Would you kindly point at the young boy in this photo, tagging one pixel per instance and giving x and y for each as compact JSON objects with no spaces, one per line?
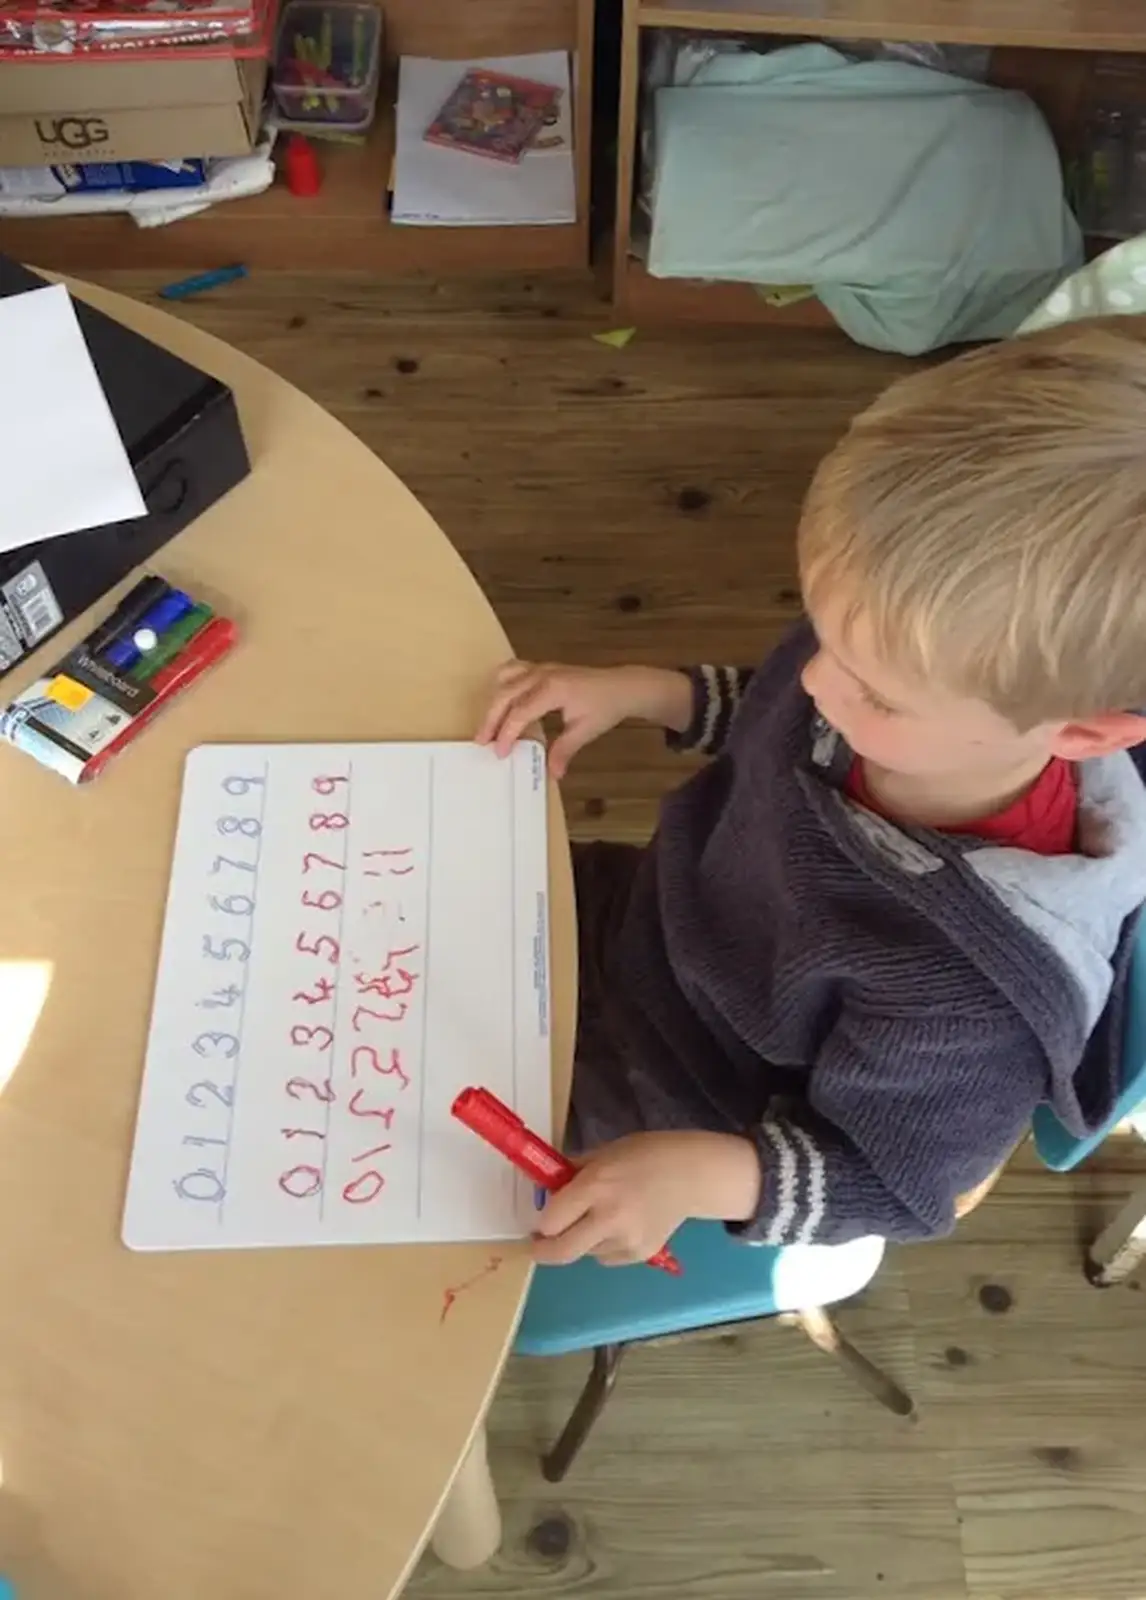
{"x":893,"y":914}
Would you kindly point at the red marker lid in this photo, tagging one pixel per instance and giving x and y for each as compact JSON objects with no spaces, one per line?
{"x":303,"y":174}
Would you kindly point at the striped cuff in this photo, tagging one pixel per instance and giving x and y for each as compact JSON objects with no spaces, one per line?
{"x":793,"y":1193}
{"x":716,"y":693}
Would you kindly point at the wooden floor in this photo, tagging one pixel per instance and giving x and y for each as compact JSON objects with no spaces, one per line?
{"x":639,"y":504}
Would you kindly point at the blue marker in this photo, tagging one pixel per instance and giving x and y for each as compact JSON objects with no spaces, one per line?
{"x":146,"y":631}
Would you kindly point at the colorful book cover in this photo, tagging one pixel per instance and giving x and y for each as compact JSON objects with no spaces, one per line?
{"x":491,"y":114}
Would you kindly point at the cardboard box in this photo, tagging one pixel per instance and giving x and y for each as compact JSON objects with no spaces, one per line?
{"x":49,"y":84}
{"x":182,"y":435}
{"x":128,"y":110}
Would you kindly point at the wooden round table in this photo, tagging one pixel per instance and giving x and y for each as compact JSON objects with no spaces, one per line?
{"x":255,"y":1424}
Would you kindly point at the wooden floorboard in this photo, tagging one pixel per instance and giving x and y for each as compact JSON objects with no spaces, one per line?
{"x":640,"y":504}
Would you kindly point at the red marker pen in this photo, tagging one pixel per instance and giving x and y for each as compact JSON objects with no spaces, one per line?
{"x":485,"y":1115}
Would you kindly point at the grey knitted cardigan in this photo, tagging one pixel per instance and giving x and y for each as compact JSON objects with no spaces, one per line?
{"x":878,"y":1008}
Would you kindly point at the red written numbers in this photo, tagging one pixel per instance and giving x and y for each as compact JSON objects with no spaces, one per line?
{"x":366,"y":1055}
{"x":366,"y":1187}
{"x":379,"y":1149}
{"x":386,"y":1114}
{"x":301,"y":1182}
{"x":318,"y":1038}
{"x":395,"y":1014}
{"x":323,"y":945}
{"x":326,"y":901}
{"x":323,"y":990}
{"x":391,"y":863}
{"x":298,"y":1088}
{"x":392,"y":985}
{"x":312,"y":856}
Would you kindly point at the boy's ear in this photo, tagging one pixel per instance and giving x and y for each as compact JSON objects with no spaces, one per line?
{"x":1099,"y":736}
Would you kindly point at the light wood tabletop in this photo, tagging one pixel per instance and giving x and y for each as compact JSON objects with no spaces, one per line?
{"x":244,"y":1424}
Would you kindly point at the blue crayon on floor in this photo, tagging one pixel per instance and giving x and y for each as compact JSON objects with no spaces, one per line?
{"x":199,"y":284}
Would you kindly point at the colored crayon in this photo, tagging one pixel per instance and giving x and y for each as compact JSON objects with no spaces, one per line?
{"x":170,"y":643}
{"x":126,"y":648}
{"x":201,"y":282}
{"x":135,"y":604}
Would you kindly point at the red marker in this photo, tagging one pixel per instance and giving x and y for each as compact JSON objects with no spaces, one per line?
{"x":494,"y":1122}
{"x":203,"y":650}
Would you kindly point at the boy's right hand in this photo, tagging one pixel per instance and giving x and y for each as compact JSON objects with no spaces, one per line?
{"x":591,"y":700}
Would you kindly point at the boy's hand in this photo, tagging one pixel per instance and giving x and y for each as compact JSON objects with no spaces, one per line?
{"x":630,"y":1196}
{"x":591,"y":700}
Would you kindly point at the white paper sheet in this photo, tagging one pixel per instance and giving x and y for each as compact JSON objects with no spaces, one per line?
{"x":354,"y":933}
{"x":437,"y":186}
{"x":62,"y":462}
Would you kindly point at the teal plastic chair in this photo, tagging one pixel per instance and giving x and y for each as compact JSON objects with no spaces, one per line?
{"x":608,"y":1309}
{"x":1120,"y":1246}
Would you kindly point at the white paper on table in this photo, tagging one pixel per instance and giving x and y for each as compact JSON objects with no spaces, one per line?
{"x":354,"y":933}
{"x":62,"y":462}
{"x":441,"y":186}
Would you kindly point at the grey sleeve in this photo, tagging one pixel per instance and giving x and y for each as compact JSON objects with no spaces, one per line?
{"x":904,"y":1114}
{"x":716,"y":693}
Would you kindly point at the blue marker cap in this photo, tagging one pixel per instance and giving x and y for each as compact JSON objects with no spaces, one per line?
{"x":145,"y":634}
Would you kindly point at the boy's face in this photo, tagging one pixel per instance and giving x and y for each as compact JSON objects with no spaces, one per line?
{"x":901,"y":724}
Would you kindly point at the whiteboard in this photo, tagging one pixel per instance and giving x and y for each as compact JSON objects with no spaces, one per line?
{"x":354,"y":932}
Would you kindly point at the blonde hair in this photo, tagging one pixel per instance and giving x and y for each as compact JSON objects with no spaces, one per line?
{"x":988,"y":518}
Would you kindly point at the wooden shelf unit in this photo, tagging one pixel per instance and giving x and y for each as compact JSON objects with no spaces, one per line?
{"x":345,"y":227}
{"x":1046,"y":48}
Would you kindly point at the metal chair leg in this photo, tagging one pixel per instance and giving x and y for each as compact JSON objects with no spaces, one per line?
{"x":598,"y":1387}
{"x":825,"y":1335}
{"x":1121,"y":1246}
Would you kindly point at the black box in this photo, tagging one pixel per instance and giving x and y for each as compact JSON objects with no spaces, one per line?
{"x":181,"y":432}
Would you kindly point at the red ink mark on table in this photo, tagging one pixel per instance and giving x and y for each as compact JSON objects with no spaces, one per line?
{"x":449,"y":1298}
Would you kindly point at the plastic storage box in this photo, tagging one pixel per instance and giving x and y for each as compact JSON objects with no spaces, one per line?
{"x":327,"y":64}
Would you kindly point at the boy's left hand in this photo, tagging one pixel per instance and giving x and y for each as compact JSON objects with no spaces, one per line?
{"x":630,"y":1196}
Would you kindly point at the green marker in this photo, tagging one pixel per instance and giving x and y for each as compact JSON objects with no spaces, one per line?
{"x":171,"y":643}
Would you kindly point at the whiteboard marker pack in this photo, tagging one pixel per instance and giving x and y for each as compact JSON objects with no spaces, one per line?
{"x":101,"y":695}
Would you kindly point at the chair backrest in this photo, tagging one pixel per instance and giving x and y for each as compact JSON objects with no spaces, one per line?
{"x":1061,"y":1149}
